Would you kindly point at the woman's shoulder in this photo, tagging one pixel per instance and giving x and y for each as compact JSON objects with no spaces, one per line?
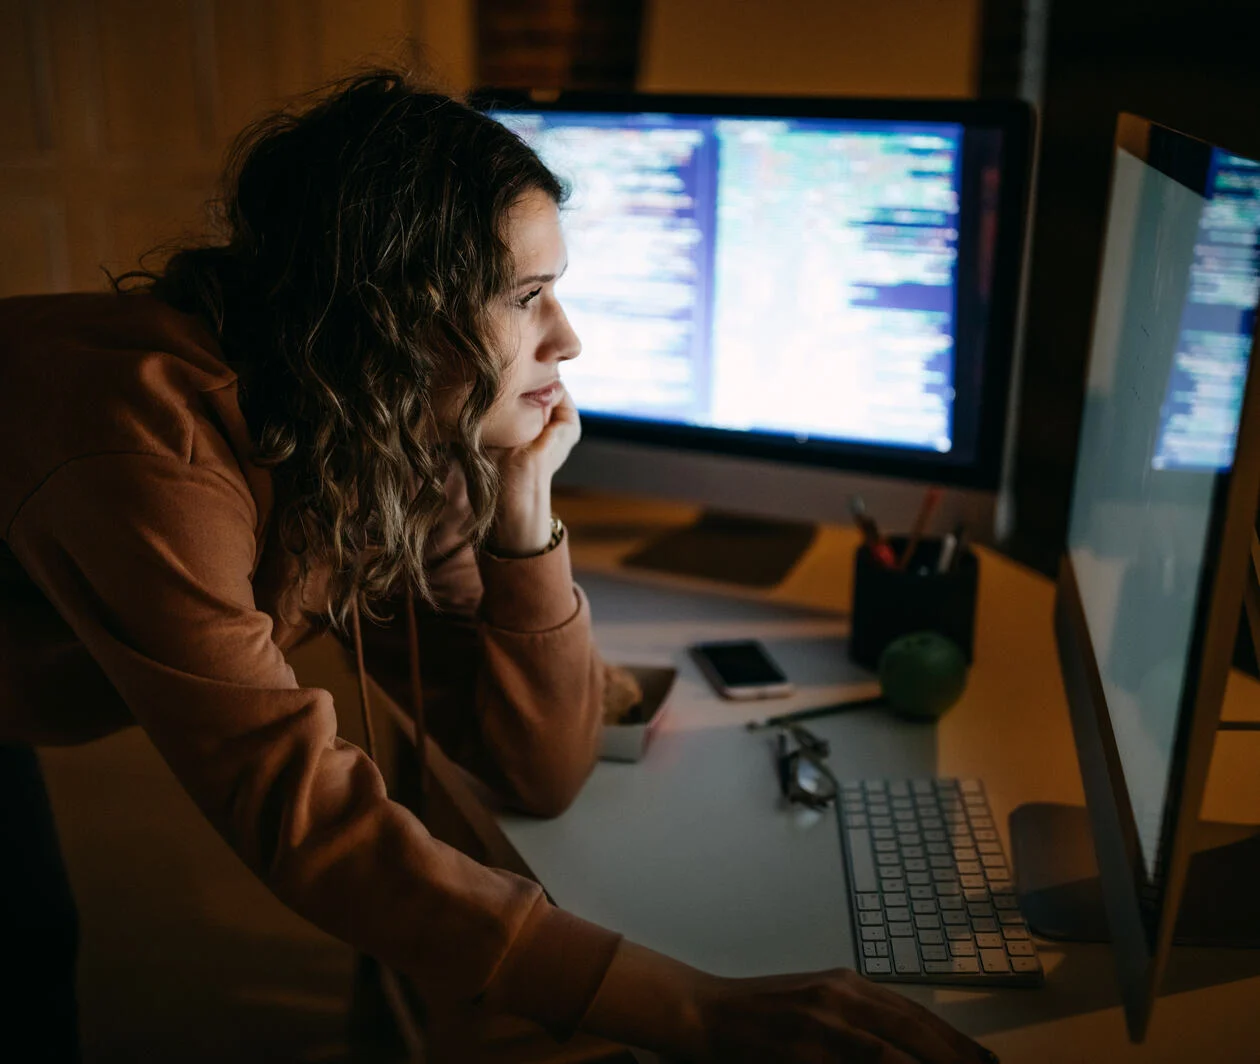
{"x":84,"y":374}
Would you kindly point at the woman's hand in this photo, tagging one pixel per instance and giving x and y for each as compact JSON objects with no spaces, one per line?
{"x":522,"y":525}
{"x":833,"y":1017}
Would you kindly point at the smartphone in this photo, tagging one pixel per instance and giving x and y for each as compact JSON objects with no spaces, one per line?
{"x":741,"y":669}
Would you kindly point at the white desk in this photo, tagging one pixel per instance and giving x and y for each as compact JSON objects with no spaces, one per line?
{"x":690,"y":851}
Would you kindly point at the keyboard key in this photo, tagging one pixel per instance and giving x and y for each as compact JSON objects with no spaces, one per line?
{"x":950,"y":902}
{"x":958,"y":934}
{"x":918,"y":879}
{"x":913,"y":852}
{"x":941,"y":848}
{"x":993,"y":860}
{"x":923,"y":906}
{"x":932,"y":822}
{"x":935,"y":836}
{"x":989,"y":847}
{"x":945,"y":875}
{"x":931,"y":938}
{"x":983,"y":924}
{"x":881,"y":821}
{"x":874,"y":934}
{"x":955,"y":919}
{"x":965,"y":853}
{"x":1015,"y":934}
{"x":910,"y":838}
{"x":981,"y":822}
{"x":965,"y":965}
{"x":915,"y":865}
{"x":890,"y":872}
{"x":868,"y":948}
{"x":984,"y":835}
{"x":963,"y":947}
{"x":888,"y":858}
{"x":855,"y":820}
{"x":868,"y":901}
{"x":862,"y":873}
{"x":922,"y":893}
{"x":1020,"y":949}
{"x":1011,"y":916}
{"x":898,"y":914}
{"x":940,"y":860}
{"x":994,"y":960}
{"x":934,"y":953}
{"x":971,"y":882}
{"x":989,"y":941}
{"x":1006,"y":901}
{"x":921,"y":786}
{"x":906,"y":956}
{"x":893,"y":886}
{"x":927,"y":920}
{"x":881,"y":948}
{"x":899,"y":789}
{"x":975,"y":895}
{"x":895,"y":900}
{"x":938,"y":968}
{"x":876,"y":785}
{"x":878,"y":809}
{"x":949,"y":887}
{"x":1025,"y":964}
{"x":877,"y":966}
{"x":980,"y":909}
{"x":905,"y":930}
{"x":970,"y":787}
{"x":883,"y":833}
{"x":869,"y":919}
{"x":885,"y":846}
{"x":967,"y":868}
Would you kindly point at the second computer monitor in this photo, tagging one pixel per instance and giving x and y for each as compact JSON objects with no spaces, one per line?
{"x":811,"y":283}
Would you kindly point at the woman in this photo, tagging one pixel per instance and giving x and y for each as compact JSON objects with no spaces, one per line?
{"x":352,"y":404}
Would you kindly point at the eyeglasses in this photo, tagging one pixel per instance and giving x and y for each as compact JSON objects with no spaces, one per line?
{"x":803,"y":776}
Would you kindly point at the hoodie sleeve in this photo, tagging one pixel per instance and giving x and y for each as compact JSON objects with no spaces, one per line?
{"x":149,"y":558}
{"x":513,"y":683}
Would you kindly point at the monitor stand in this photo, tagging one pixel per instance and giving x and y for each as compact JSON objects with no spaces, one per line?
{"x":751,"y":551}
{"x":1061,"y":897}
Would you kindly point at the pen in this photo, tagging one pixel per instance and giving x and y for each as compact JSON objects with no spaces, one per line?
{"x":931,"y":498}
{"x":946,"y":560}
{"x":880,"y":549}
{"x":818,"y":711}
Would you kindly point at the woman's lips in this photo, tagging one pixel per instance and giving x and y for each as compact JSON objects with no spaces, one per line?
{"x":543,"y":396}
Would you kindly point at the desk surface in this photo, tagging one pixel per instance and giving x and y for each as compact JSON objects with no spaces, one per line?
{"x":690,"y":851}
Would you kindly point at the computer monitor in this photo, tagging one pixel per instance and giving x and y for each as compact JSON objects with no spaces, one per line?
{"x":1161,"y":551}
{"x":784,"y":301}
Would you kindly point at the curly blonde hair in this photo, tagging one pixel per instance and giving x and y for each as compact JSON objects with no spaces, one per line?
{"x":362,"y":247}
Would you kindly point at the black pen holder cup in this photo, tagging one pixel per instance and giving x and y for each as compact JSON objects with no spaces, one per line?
{"x":890,"y":603}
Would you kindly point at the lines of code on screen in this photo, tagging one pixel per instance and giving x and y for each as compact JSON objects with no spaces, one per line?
{"x":788,"y":276}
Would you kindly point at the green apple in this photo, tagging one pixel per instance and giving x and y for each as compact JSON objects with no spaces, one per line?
{"x":922,"y":674}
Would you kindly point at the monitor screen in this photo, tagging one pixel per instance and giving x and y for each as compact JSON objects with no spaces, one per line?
{"x":818,"y":285}
{"x":1173,"y":331}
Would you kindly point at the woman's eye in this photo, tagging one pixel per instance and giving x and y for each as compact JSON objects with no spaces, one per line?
{"x":526,"y":300}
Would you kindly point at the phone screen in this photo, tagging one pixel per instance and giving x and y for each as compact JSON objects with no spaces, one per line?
{"x":741,"y":664}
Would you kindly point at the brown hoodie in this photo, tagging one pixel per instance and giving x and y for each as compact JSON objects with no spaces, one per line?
{"x":141,"y":582}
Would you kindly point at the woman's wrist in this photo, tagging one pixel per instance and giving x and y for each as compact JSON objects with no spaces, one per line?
{"x":522,"y":526}
{"x":653,"y":1002}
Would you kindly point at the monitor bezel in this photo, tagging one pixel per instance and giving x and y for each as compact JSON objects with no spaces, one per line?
{"x":1012,"y":117}
{"x":1141,"y":909}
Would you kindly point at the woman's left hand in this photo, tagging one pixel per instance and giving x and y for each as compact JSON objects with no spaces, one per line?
{"x":522,"y":525}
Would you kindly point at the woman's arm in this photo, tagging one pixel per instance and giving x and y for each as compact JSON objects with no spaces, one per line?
{"x":148,"y":559}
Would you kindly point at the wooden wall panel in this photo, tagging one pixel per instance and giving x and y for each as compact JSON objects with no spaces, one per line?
{"x":148,"y":66}
{"x":19,"y":132}
{"x":34,"y":257}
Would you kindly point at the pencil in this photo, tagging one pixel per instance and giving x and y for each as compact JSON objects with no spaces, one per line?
{"x":817,"y":711}
{"x":931,"y":498}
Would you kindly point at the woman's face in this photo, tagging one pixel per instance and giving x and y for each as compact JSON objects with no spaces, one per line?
{"x":534,"y":334}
